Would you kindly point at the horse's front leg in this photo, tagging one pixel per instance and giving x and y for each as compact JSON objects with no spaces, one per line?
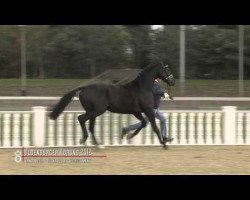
{"x":151,"y":116}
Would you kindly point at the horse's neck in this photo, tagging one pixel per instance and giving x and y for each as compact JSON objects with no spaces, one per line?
{"x":146,"y":82}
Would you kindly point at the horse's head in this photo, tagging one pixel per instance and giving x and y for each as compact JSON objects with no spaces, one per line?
{"x":165,"y":74}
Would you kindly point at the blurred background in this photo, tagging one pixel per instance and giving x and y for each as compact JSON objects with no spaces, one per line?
{"x":49,"y":60}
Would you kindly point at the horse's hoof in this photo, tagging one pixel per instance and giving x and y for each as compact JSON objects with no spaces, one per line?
{"x":81,"y":141}
{"x":165,"y":147}
{"x":170,"y":140}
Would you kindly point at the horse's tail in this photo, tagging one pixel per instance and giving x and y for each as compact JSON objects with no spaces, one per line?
{"x":64,"y":101}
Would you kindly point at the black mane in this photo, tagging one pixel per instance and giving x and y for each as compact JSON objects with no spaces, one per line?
{"x":148,"y":68}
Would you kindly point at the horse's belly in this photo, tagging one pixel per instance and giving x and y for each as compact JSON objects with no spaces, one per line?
{"x":120,"y":102}
{"x":123,"y":110}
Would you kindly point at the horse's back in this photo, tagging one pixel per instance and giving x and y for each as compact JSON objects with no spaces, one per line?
{"x":96,"y":96}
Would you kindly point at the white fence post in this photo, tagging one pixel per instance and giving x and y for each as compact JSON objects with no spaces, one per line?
{"x":229,"y":124}
{"x":39,"y":125}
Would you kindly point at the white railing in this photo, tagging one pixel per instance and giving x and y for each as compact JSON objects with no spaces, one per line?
{"x":190,"y":127}
{"x":16,"y":128}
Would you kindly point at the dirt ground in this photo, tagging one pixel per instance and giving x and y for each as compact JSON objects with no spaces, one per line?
{"x":140,"y":161}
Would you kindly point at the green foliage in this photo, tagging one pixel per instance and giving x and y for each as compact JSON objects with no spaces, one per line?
{"x":212,"y":53}
{"x":9,"y":51}
{"x":141,"y":44}
{"x":166,"y":46}
{"x":64,"y":51}
{"x":83,"y":51}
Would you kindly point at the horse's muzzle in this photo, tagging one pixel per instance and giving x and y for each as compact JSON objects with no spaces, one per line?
{"x":170,"y":80}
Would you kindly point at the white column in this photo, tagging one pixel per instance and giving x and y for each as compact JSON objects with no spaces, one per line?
{"x":229,"y":125}
{"x":200,"y":131}
{"x":218,"y":133}
{"x":39,"y":125}
{"x":247,"y":128}
{"x":240,"y":128}
{"x":174,"y":128}
{"x":209,"y":134}
{"x":191,"y":130}
{"x":183,"y":128}
{"x":116,"y":130}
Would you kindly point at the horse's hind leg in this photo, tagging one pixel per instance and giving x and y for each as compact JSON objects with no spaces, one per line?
{"x":92,"y":118}
{"x":82,"y":119}
{"x":92,"y":129}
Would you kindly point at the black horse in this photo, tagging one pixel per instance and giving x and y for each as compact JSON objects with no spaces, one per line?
{"x":135,"y":98}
